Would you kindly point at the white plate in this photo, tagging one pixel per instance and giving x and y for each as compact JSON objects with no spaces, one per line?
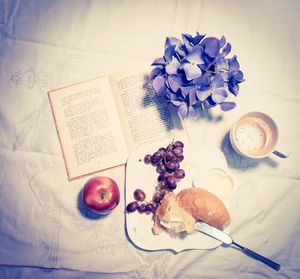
{"x":140,"y":175}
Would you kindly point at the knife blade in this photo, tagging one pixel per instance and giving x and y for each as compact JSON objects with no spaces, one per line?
{"x":214,"y":232}
{"x":225,"y":238}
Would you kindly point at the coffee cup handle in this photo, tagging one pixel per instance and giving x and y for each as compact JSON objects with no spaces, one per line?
{"x":282,"y":151}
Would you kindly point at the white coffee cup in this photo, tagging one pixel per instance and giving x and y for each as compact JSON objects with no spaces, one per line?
{"x":255,"y":135}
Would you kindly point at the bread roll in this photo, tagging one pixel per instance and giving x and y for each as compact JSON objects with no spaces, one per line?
{"x":204,"y":206}
{"x":172,"y":218}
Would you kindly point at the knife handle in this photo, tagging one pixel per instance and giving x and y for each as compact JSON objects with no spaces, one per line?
{"x":259,"y":257}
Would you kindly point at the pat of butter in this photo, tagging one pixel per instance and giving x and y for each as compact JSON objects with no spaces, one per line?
{"x":216,"y":181}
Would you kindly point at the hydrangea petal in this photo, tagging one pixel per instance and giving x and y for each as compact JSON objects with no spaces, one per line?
{"x":203,"y":95}
{"x":173,"y":66}
{"x":209,"y":103}
{"x":182,"y":51}
{"x":179,"y":54}
{"x":169,"y":51}
{"x":226,"y":50}
{"x":234,"y":65}
{"x":221,"y":64}
{"x":193,"y":40}
{"x":204,"y":67}
{"x":195,"y":56}
{"x":233,"y":88}
{"x":191,"y":71}
{"x":217,"y":81}
{"x":219,"y":95}
{"x":192,"y":97}
{"x":159,"y":84}
{"x":225,"y":75}
{"x":222,"y":42}
{"x":185,"y":90}
{"x":155,"y":72}
{"x":173,"y":97}
{"x":186,"y":38}
{"x":174,"y":82}
{"x":209,"y":61}
{"x":211,"y":46}
{"x":168,"y":94}
{"x":183,"y":110}
{"x":176,"y":103}
{"x":172,"y":41}
{"x":202,"y":81}
{"x":180,"y":95}
{"x":197,"y":39}
{"x":226,"y":106}
{"x":159,"y":62}
{"x":239,"y":76}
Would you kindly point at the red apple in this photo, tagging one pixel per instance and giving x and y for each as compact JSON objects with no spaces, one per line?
{"x":101,"y":194}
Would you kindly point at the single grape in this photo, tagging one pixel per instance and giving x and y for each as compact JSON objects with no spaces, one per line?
{"x":178,"y":144}
{"x":163,"y":184}
{"x":154,"y":161}
{"x":162,"y":151}
{"x":142,"y":208}
{"x":171,"y":182}
{"x":178,"y":151}
{"x":163,"y":176}
{"x":160,"y":168}
{"x":147,"y":159}
{"x":170,"y":156}
{"x":179,"y":158}
{"x":150,"y":207}
{"x":172,"y":187}
{"x":139,"y":195}
{"x":172,"y":166}
{"x":158,"y":155}
{"x":179,"y":173}
{"x":132,"y":206}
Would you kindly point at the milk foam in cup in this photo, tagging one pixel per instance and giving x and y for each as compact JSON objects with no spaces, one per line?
{"x":255,"y":135}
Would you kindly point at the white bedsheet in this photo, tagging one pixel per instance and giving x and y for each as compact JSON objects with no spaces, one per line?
{"x":47,"y":44}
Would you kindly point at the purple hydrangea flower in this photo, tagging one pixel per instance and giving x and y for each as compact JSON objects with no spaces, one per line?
{"x":196,"y":71}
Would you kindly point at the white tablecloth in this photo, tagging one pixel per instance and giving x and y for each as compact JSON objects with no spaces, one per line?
{"x":48,"y":44}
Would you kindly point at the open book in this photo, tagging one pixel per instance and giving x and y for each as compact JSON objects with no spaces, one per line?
{"x":100,"y":121}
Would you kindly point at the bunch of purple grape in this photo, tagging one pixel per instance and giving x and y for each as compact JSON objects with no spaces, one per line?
{"x":167,"y":161}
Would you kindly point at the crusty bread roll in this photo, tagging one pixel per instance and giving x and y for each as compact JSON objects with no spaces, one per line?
{"x":171,"y":217}
{"x":204,"y":206}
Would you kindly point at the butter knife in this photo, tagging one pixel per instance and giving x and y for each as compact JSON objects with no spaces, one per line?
{"x":225,"y":238}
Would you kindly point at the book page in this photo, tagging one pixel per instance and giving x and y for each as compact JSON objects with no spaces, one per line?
{"x":88,"y":127}
{"x":146,"y":117}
